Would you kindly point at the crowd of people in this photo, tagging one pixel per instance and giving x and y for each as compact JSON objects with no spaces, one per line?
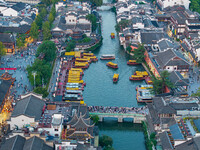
{"x":19,"y":62}
{"x":107,"y":109}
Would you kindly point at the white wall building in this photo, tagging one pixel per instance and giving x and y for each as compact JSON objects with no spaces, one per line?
{"x":27,"y":111}
{"x":9,"y":12}
{"x":170,"y":3}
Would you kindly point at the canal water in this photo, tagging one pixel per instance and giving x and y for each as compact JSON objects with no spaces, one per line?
{"x":100,"y":90}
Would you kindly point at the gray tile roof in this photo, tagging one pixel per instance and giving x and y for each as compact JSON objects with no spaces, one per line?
{"x":183,"y":106}
{"x":30,"y":106}
{"x":177,"y":79}
{"x":165,"y":58}
{"x":20,"y":143}
{"x":169,"y":121}
{"x":14,"y":143}
{"x":166,"y":144}
{"x":19,"y":6}
{"x":6,"y":38}
{"x":193,"y":144}
{"x":4,"y":87}
{"x":152,"y":37}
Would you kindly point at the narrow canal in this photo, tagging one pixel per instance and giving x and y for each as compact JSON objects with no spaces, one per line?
{"x":100,"y":90}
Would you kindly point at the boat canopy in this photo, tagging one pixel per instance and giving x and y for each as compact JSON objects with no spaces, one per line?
{"x":111,"y":63}
{"x":115,"y":75}
{"x":132,"y":61}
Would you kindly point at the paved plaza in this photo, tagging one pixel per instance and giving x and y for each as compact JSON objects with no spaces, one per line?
{"x":20,"y":60}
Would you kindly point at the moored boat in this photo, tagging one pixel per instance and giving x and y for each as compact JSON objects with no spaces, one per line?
{"x":107,"y":57}
{"x":112,"y":65}
{"x":148,"y":80}
{"x":112,"y":35}
{"x":115,"y":77}
{"x":132,"y":62}
{"x":136,"y":78}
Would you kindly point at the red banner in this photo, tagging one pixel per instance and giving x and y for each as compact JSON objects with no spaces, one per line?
{"x":8,"y":68}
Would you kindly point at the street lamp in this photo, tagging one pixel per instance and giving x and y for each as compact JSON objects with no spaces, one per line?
{"x":34,"y":73}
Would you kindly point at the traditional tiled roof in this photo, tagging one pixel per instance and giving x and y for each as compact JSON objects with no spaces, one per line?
{"x":30,"y":106}
{"x":6,"y":38}
{"x":165,"y":141}
{"x":19,"y":6}
{"x":21,"y":29}
{"x":20,"y":143}
{"x":165,"y":58}
{"x":177,"y":79}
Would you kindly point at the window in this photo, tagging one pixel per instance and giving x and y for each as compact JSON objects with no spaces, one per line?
{"x":56,"y":135}
{"x":73,"y":20}
{"x":56,"y":129}
{"x":22,"y":119}
{"x":168,"y":68}
{"x":69,"y":20}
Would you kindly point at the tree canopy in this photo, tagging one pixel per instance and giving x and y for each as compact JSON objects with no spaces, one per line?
{"x":160,"y":83}
{"x":38,"y":21}
{"x":92,"y":18}
{"x":105,"y":141}
{"x":96,"y":2}
{"x":122,"y":25}
{"x":139,"y":54}
{"x":20,"y":41}
{"x":2,"y":50}
{"x":46,"y":31}
{"x":43,"y":71}
{"x":195,"y":5}
{"x":34,"y":31}
{"x":70,"y":46}
{"x":95,"y":118}
{"x":48,"y":48}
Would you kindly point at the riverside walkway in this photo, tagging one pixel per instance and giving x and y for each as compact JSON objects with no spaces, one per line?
{"x":137,"y":114}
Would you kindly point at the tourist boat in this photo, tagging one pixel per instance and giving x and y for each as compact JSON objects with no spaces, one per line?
{"x":83,"y":60}
{"x":132,"y":62}
{"x":144,"y":96}
{"x":136,"y":78}
{"x":142,"y":73}
{"x":83,"y":65}
{"x":112,"y":65}
{"x":144,"y":87}
{"x":115,"y":77}
{"x":112,"y":35}
{"x":88,"y":54}
{"x":107,"y":57}
{"x":91,"y":58}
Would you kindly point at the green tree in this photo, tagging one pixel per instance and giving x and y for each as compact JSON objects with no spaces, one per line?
{"x":139,"y":54}
{"x":51,"y":18}
{"x":42,"y":91}
{"x":48,"y":48}
{"x":96,"y":2}
{"x":53,"y":11}
{"x":162,"y":82}
{"x":122,"y":25}
{"x":2,"y":50}
{"x":105,"y":141}
{"x":43,"y":71}
{"x":46,"y":31}
{"x":43,"y":12}
{"x":20,"y":41}
{"x":129,"y":48}
{"x":95,"y":118}
{"x":70,"y":46}
{"x":38,"y":21}
{"x":34,"y":31}
{"x":46,"y":2}
{"x":92,"y":18}
{"x":195,"y":5}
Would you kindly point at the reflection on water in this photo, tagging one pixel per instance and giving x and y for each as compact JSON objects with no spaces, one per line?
{"x":126,"y":136}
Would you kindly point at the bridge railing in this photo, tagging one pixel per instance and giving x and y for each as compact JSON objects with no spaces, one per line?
{"x":118,"y":114}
